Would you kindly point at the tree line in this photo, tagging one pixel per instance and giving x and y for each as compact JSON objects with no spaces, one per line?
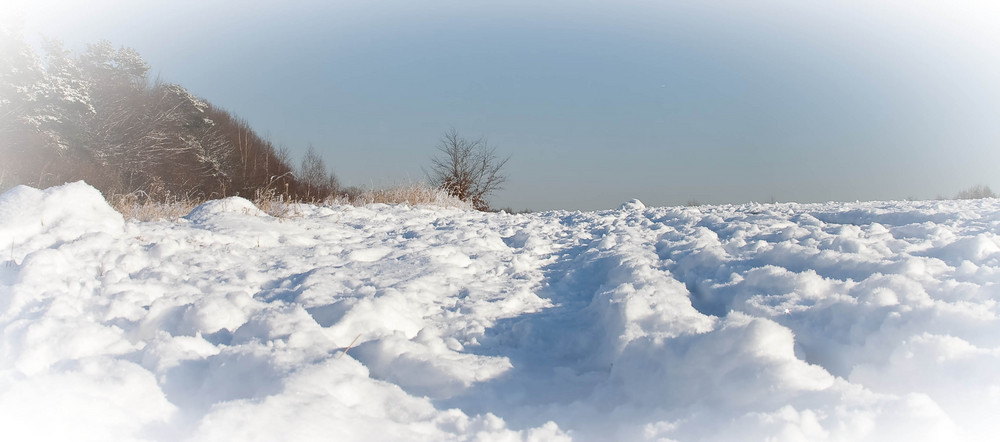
{"x":97,"y":116}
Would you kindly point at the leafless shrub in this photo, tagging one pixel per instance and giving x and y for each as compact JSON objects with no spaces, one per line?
{"x":467,"y":169}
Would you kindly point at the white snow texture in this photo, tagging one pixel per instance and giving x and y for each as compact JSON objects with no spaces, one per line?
{"x":838,"y":321}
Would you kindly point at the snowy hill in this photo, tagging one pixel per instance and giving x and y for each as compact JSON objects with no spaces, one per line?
{"x":863,"y":321}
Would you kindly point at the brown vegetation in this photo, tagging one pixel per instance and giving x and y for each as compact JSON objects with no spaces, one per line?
{"x":97,"y":117}
{"x":138,"y":207}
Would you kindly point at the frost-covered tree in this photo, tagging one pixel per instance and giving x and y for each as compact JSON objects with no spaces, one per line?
{"x":123,"y":108}
{"x":43,"y":103}
{"x":177,"y":142}
{"x":96,"y":116}
{"x":65,"y":101}
{"x":114,"y":71}
{"x":467,"y":169}
{"x":149,"y":134}
{"x":21,"y":77}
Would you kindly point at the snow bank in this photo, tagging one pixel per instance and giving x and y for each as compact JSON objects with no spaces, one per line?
{"x":32,"y":219}
{"x":865,"y":321}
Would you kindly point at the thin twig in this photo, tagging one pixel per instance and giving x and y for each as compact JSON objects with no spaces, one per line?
{"x":349,"y":346}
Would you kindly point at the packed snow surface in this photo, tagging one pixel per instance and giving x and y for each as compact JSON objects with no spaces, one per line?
{"x":856,"y":321}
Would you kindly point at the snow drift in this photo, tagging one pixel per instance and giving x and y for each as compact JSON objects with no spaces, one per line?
{"x":863,"y":321}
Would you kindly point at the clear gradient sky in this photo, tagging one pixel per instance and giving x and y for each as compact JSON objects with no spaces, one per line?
{"x":596,"y":102}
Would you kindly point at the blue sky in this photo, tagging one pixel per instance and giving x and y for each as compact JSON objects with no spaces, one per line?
{"x":596,"y":102}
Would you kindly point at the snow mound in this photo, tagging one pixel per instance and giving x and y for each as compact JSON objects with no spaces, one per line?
{"x":233,"y":205}
{"x":632,"y":204}
{"x":32,"y":219}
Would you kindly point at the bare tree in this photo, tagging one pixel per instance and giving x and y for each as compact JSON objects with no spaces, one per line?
{"x":468,"y":170}
{"x":319,"y":182}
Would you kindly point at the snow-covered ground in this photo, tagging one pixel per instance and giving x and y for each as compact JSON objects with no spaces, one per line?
{"x":857,"y":321}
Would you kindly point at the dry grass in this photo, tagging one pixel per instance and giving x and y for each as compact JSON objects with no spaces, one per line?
{"x":138,"y":206}
{"x":275,"y":204}
{"x":414,"y":194}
